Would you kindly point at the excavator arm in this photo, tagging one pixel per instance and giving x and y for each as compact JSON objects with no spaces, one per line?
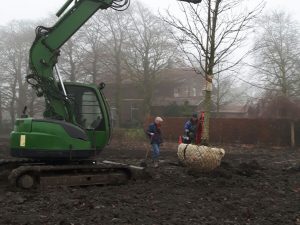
{"x":76,"y":117}
{"x":45,"y":51}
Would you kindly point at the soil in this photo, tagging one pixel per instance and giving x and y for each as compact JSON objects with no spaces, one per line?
{"x":252,"y":186}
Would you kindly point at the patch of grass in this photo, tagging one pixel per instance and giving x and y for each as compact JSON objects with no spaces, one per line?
{"x":132,"y":134}
{"x":135,"y":134}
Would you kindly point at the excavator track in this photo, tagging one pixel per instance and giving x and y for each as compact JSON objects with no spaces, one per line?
{"x":29,"y":174}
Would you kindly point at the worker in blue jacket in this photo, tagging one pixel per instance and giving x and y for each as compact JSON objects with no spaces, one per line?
{"x":155,"y":136}
{"x":190,"y":128}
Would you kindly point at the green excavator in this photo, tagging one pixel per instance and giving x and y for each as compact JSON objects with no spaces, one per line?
{"x":76,"y":120}
{"x":58,"y":149}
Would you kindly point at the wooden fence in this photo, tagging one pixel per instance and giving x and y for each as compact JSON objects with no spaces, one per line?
{"x":260,"y":132}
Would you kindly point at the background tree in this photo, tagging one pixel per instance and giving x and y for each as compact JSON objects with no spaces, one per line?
{"x":277,"y":49}
{"x":70,"y":62}
{"x":209,"y":33}
{"x":223,"y":92}
{"x":16,"y":39}
{"x":191,"y":1}
{"x":103,"y":39}
{"x":149,"y":50}
{"x":92,"y":50}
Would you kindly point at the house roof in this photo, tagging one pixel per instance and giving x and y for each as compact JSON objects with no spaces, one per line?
{"x":164,"y":101}
{"x":234,"y":108}
{"x":179,"y":75}
{"x":184,"y":80}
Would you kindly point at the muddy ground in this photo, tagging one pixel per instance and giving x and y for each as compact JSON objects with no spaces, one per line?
{"x":252,"y":186}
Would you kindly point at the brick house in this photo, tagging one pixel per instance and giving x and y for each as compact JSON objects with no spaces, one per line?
{"x":174,"y":86}
{"x":177,"y":89}
{"x":131,"y":103}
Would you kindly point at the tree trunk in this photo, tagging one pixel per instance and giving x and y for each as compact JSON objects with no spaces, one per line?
{"x":31,"y":110}
{"x":12,"y":103}
{"x":148,"y":83}
{"x":207,"y":110}
{"x":147,"y":89}
{"x":210,"y":63}
{"x":0,"y":111}
{"x":118,"y":90}
{"x":292,"y":134}
{"x":118,"y":102}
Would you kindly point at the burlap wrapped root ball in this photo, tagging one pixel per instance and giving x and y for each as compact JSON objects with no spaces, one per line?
{"x":200,"y":158}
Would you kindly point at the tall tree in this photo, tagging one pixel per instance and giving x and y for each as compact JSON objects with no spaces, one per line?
{"x":104,"y":38}
{"x":277,"y":51}
{"x":92,"y":48}
{"x":16,"y":39}
{"x":149,"y":50}
{"x":71,"y":59}
{"x":209,"y":34}
{"x":222,"y":94}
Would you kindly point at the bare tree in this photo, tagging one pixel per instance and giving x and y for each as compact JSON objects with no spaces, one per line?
{"x":277,"y":51}
{"x":16,"y":40}
{"x":103,"y":44}
{"x":209,"y":34}
{"x":148,"y":52}
{"x":71,"y":59}
{"x":191,"y":1}
{"x":117,"y":24}
{"x":92,"y":48}
{"x":222,"y":94}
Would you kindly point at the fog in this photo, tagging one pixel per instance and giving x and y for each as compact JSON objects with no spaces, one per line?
{"x":35,"y":9}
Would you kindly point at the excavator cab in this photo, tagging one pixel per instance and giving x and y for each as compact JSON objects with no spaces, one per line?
{"x":86,"y":107}
{"x":58,"y":139}
{"x":91,"y":111}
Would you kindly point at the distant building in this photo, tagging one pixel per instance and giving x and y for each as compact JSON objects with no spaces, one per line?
{"x":131,"y":103}
{"x":232,"y":110}
{"x":178,"y":87}
{"x":174,"y":86}
{"x":278,"y":107}
{"x":178,"y":92}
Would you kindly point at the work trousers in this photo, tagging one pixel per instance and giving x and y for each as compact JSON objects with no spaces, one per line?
{"x":155,"y":151}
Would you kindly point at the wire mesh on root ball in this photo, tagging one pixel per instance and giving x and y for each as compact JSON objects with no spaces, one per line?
{"x":200,"y":158}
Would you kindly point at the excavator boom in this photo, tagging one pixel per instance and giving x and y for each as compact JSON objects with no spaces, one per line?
{"x":45,"y":51}
{"x":76,"y":120}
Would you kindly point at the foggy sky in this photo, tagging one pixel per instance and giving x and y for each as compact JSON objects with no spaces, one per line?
{"x":36,"y":9}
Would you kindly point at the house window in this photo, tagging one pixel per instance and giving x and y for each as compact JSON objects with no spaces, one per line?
{"x":193,"y":92}
{"x":185,"y":92}
{"x":176,"y":92}
{"x":134,"y":110}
